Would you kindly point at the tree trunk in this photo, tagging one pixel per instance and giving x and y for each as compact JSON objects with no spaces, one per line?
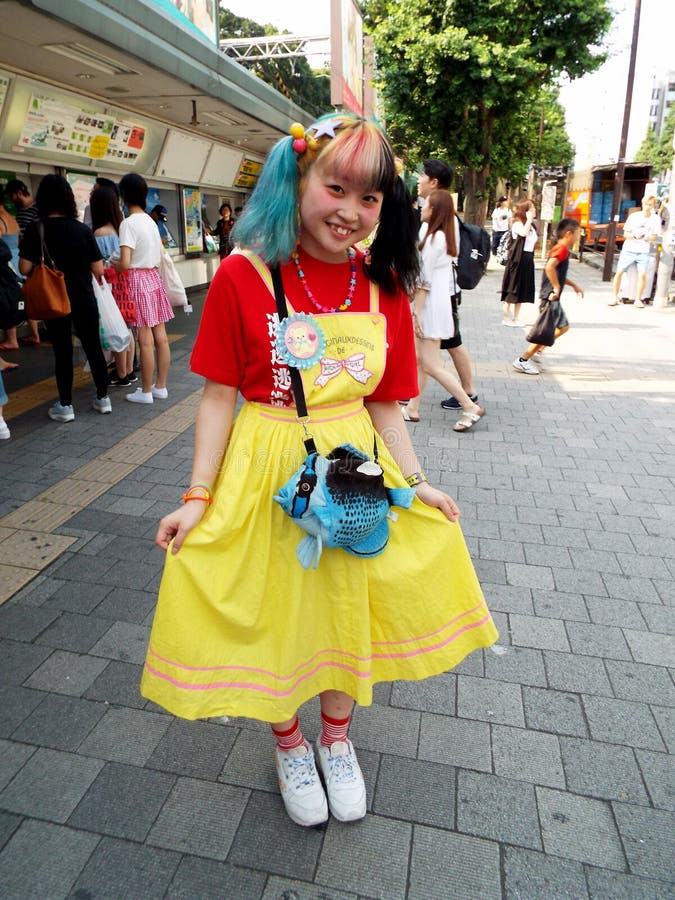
{"x":475,"y":203}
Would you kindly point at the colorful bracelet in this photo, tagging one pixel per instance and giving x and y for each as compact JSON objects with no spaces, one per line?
{"x":416,"y":478}
{"x":205,"y":494}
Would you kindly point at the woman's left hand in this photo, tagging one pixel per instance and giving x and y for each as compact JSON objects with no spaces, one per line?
{"x":418,"y":328}
{"x":439,"y":500}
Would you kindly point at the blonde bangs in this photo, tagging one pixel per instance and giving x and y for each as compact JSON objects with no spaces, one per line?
{"x":360,"y":152}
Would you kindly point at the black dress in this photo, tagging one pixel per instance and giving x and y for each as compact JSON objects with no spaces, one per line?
{"x":518,"y":281}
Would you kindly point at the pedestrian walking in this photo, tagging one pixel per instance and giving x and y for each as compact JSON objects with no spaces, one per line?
{"x":553,"y":281}
{"x":518,"y":280}
{"x":642,"y":232}
{"x":242,"y":628}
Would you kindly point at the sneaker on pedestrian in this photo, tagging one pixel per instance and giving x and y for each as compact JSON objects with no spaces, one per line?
{"x":102,"y":405}
{"x":639,"y":304}
{"x":453,"y":402}
{"x":525,"y":365}
{"x":116,"y":380}
{"x":4,"y":430}
{"x":61,"y":413}
{"x":513,"y":323}
{"x":132,"y":376}
{"x":342,"y":775}
{"x":140,"y":396}
{"x":159,"y":393}
{"x":300,"y":786}
{"x":506,"y":321}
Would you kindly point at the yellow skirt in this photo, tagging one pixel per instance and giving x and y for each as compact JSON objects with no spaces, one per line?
{"x":241,"y":629}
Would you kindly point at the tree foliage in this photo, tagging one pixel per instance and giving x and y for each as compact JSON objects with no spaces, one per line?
{"x":463,"y":79}
{"x":657,"y":149}
{"x":293,"y":77}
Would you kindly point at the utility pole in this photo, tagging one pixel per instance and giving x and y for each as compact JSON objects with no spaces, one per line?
{"x":621,"y":161}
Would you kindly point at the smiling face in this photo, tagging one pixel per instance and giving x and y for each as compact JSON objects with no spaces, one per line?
{"x":335,"y":213}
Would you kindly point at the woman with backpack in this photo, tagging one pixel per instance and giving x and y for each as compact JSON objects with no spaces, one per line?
{"x":518,"y":281}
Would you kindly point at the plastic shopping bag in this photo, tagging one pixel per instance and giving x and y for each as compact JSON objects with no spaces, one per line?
{"x":172,"y":283}
{"x":113,"y":330}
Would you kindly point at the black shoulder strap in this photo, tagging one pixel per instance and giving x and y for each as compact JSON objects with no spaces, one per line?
{"x":296,"y":378}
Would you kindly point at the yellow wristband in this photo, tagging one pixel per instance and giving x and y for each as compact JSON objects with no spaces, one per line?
{"x":416,"y":478}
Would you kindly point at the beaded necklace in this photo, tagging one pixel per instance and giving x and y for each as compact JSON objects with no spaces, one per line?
{"x":351,"y":253}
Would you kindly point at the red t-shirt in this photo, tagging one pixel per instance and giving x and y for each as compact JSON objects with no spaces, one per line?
{"x":233,"y":342}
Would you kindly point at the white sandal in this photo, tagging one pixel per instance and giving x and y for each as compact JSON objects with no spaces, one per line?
{"x":461,"y":426}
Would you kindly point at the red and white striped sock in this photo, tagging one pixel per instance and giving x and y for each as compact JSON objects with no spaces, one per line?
{"x":290,"y":739}
{"x":333,"y":730}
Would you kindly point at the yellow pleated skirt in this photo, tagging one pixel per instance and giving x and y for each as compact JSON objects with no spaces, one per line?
{"x":241,"y":629}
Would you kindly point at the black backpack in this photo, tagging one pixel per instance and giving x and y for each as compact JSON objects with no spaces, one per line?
{"x":504,"y":248}
{"x":11,"y":301}
{"x":474,"y":253}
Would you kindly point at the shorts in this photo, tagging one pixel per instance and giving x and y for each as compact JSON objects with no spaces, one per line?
{"x":560,"y":318}
{"x":456,"y":339}
{"x":628,"y":258}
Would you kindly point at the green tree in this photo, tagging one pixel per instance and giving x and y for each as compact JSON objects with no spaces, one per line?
{"x":452,"y":73}
{"x":292,"y":77}
{"x":657,"y":149}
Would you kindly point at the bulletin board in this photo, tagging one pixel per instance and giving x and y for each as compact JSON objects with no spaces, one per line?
{"x":183,"y":157}
{"x":221,"y":167}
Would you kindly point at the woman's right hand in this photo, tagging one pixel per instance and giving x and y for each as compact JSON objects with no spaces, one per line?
{"x":178,"y":524}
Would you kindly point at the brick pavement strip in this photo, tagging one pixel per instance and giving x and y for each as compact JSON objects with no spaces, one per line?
{"x":538,"y":769}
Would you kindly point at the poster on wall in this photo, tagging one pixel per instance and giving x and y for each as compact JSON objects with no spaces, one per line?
{"x":192,"y":212}
{"x":60,"y":127}
{"x":4,"y":87}
{"x":249,"y":172}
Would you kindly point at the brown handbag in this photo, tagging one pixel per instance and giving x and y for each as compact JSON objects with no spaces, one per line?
{"x":44,"y":290}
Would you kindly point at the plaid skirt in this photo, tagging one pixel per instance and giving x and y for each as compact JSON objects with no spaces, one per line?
{"x":151,"y":303}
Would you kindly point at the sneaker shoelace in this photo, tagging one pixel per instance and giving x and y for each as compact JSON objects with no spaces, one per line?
{"x":302,"y":772}
{"x":343,"y":768}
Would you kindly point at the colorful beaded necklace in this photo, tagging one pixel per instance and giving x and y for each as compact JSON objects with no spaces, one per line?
{"x":351,"y":253}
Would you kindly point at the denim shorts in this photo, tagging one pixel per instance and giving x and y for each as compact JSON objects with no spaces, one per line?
{"x":3,"y":392}
{"x":627,"y":258}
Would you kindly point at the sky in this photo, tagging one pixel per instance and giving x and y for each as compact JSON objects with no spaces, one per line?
{"x":593,"y":104}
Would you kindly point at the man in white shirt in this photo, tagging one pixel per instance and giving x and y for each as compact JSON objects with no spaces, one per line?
{"x":501,"y":222}
{"x":641,"y":232}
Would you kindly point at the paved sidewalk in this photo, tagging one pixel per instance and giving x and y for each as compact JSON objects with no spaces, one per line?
{"x":537,"y":769}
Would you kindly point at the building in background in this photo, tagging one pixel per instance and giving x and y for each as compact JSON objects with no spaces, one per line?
{"x":663,"y":97}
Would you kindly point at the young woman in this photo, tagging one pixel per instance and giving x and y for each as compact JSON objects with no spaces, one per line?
{"x":140,"y":252}
{"x":72,"y":247}
{"x":223,"y":228}
{"x":241,"y":627}
{"x":106,"y":218}
{"x":518,"y":279}
{"x":432,"y":308}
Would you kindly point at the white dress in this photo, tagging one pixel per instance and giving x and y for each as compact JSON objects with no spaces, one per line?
{"x":437,"y":278}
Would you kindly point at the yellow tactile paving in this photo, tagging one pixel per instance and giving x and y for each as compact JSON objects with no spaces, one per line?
{"x":74,"y":492}
{"x":12,"y":579}
{"x":105,"y":471}
{"x":39,"y":515}
{"x":33,"y":549}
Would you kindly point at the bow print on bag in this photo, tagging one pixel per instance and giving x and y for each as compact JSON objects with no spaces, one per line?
{"x":353,"y":365}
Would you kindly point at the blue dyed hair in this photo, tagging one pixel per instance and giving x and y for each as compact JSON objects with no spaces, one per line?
{"x":269,"y":224}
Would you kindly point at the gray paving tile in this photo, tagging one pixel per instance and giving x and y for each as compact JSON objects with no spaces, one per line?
{"x":24,"y":623}
{"x":60,"y":722}
{"x":552,"y":556}
{"x":431,"y":695}
{"x":649,"y":839}
{"x":126,"y":736}
{"x":43,"y":860}
{"x":470,"y":867}
{"x":527,"y":755}
{"x":490,"y":701}
{"x":134,"y":575}
{"x":602,"y":770}
{"x":627,"y":587}
{"x":50,"y":785}
{"x":386,"y":730}
{"x":74,"y":632}
{"x":579,"y":828}
{"x":78,"y":597}
{"x":209,"y":879}
{"x":504,"y":598}
{"x":268,"y":840}
{"x":194,"y":748}
{"x":66,"y":673}
{"x":455,"y":742}
{"x":658,"y":618}
{"x":556,"y":605}
{"x":12,"y":758}
{"x":538,"y":632}
{"x":416,"y":791}
{"x":8,"y":825}
{"x":665,"y":719}
{"x":285,"y":889}
{"x":603,"y":884}
{"x":529,"y":576}
{"x":497,"y":808}
{"x":121,"y":869}
{"x":521,"y":665}
{"x":118,"y":683}
{"x":535,"y":876}
{"x":597,"y":640}
{"x":657,"y":771}
{"x":250,"y":762}
{"x":638,"y":564}
{"x":506,"y":551}
{"x":127,"y":605}
{"x":608,"y":611}
{"x":578,"y":674}
{"x":377,"y":849}
{"x":636,"y":681}
{"x":555,"y":711}
{"x":655,"y":649}
{"x":16,"y":703}
{"x":84,"y":570}
{"x":199,"y":818}
{"x":123,"y":641}
{"x":578,"y":581}
{"x":123,"y":801}
{"x":622,"y":722}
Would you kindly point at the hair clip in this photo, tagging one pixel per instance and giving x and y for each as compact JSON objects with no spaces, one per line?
{"x":298,"y":135}
{"x":398,"y":163}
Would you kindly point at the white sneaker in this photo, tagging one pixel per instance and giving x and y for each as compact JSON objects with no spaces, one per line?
{"x":639,"y":304}
{"x":300,"y":786}
{"x":525,"y":365}
{"x":4,"y":430}
{"x":61,"y":413}
{"x":139,"y":396}
{"x":159,"y":393}
{"x":513,"y":323}
{"x":345,"y":786}
{"x":102,"y":405}
{"x":506,"y":321}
